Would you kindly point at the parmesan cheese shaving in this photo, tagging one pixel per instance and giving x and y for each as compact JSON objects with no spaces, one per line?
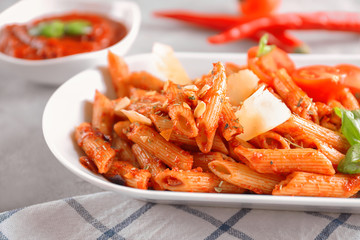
{"x":167,"y":64}
{"x":136,"y":117}
{"x":193,"y":88}
{"x":241,"y":85}
{"x":121,"y":104}
{"x":203,"y":90}
{"x":260,"y":113}
{"x":185,"y":105}
{"x":200,"y":109}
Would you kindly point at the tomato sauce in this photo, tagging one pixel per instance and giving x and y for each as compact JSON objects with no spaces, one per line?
{"x":16,"y":41}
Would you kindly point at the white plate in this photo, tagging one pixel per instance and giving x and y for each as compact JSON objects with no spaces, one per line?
{"x":71,"y":104}
{"x":58,"y":70}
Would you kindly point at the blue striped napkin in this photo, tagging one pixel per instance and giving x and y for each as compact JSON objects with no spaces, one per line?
{"x":108,"y":215}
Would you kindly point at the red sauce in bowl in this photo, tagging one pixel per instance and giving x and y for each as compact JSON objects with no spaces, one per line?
{"x":16,"y":41}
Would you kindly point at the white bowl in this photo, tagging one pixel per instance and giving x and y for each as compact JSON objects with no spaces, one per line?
{"x":71,"y":105}
{"x":58,"y":70}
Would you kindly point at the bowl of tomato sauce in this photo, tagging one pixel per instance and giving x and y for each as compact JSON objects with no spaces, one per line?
{"x":50,"y":41}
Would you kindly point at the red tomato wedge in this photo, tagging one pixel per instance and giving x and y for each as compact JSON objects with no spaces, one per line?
{"x":266,"y":66}
{"x":352,"y":76}
{"x":320,"y":82}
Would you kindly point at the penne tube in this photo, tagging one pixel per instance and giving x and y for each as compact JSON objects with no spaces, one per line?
{"x":298,"y":126}
{"x":149,"y":162}
{"x":152,"y":142}
{"x":347,"y":99}
{"x":233,"y":144}
{"x":207,"y":123}
{"x":123,"y":150}
{"x":103,"y":114}
{"x":119,"y":73}
{"x":202,"y":159}
{"x":140,"y":95}
{"x":146,"y":81}
{"x":179,"y":110}
{"x":331,"y":153}
{"x":121,"y":127}
{"x":229,"y":125}
{"x":280,"y":161}
{"x":294,"y":97}
{"x":95,"y":147}
{"x":244,"y":177}
{"x":87,"y":163}
{"x":133,"y":177}
{"x":191,"y":181}
{"x":270,"y":140}
{"x":316,"y":185}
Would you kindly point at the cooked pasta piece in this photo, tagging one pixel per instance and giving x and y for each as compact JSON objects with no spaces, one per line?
{"x":103,"y":114}
{"x":145,"y":80}
{"x":121,"y":127}
{"x":89,"y":164}
{"x":202,"y":159}
{"x":191,"y":181}
{"x":149,"y":162}
{"x":233,"y":144}
{"x":164,"y":125}
{"x":316,"y":185}
{"x":133,"y":177}
{"x":208,"y":122}
{"x":270,"y":140}
{"x":95,"y":146}
{"x":347,"y":99}
{"x":119,"y":73}
{"x":295,"y":98}
{"x":123,"y":150}
{"x":229,"y":125}
{"x":179,"y":110}
{"x":155,"y":144}
{"x":299,"y":126}
{"x":286,"y":160}
{"x":244,"y":177}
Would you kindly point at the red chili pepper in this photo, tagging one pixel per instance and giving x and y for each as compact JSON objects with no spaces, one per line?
{"x":282,"y":39}
{"x":334,"y":21}
{"x":213,"y":21}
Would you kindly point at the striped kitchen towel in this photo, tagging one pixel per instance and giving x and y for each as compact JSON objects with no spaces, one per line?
{"x":108,"y":215}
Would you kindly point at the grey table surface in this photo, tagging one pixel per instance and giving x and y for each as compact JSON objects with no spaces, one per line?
{"x":30,"y":174}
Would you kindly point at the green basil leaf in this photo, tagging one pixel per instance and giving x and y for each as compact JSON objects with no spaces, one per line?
{"x":263,"y":47}
{"x":49,"y":29}
{"x":77,"y":27}
{"x":350,"y":124}
{"x":351,"y":163}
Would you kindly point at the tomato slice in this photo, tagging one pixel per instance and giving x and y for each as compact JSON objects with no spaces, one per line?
{"x":266,"y":66}
{"x":320,"y":82}
{"x":352,"y":76}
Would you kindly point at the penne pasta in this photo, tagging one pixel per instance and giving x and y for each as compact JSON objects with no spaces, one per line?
{"x":103,"y":114}
{"x":244,"y":177}
{"x":179,"y":110}
{"x":299,"y":126}
{"x":270,"y":140}
{"x":229,"y":125}
{"x":202,"y":159}
{"x":149,"y":162}
{"x":145,"y":80}
{"x":123,"y":150}
{"x":155,"y":144}
{"x":214,"y":97}
{"x":347,"y":99}
{"x":295,"y":98}
{"x":133,"y":177}
{"x":95,"y":147}
{"x":119,"y":73}
{"x":316,"y":185}
{"x":279,"y":161}
{"x":191,"y":181}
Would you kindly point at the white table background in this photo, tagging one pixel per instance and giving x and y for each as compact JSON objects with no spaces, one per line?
{"x":30,"y":174}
